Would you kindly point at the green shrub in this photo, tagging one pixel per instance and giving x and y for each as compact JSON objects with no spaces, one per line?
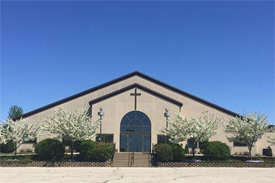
{"x":50,"y":150}
{"x":217,"y":150}
{"x":269,"y":151}
{"x":102,"y":152}
{"x":186,"y":149}
{"x":77,"y":145}
{"x":8,"y":147}
{"x":95,"y":151}
{"x":78,"y":157}
{"x":86,"y":150}
{"x":163,"y":152}
{"x":178,"y":152}
{"x":203,"y":145}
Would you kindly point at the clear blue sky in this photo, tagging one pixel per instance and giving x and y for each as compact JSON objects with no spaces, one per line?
{"x":222,"y":52}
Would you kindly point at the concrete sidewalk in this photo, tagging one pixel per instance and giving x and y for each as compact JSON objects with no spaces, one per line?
{"x":126,"y":175}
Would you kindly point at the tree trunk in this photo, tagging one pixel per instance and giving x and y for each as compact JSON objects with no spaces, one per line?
{"x":250,"y":148}
{"x":72,"y":150}
{"x":15,"y":151}
{"x":193,"y":149}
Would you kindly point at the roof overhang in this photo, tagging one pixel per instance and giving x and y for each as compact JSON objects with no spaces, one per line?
{"x":136,"y":73}
{"x":143,"y":88}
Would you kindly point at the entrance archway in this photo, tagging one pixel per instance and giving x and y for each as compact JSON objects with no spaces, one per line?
{"x":135,"y":132}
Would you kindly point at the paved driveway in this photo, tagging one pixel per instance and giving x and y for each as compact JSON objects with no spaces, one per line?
{"x":126,"y":175}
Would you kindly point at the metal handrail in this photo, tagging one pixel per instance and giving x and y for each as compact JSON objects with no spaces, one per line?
{"x":113,"y":153}
{"x":129,"y":155}
{"x":133,"y":159}
{"x":149,"y":159}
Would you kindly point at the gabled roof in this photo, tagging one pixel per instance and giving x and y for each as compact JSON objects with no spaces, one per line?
{"x":136,"y":73}
{"x":159,"y":95}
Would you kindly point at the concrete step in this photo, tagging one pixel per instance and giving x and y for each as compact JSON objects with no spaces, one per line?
{"x":140,"y":160}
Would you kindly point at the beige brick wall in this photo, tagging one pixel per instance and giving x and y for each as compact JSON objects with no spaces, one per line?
{"x":116,"y":107}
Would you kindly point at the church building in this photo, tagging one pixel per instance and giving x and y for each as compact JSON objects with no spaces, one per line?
{"x":134,"y":108}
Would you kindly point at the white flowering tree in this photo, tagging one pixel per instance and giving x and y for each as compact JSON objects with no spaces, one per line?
{"x":197,"y":130}
{"x":74,"y":126}
{"x":271,"y":139}
{"x":246,"y":128}
{"x":18,"y":131}
{"x":2,"y":135}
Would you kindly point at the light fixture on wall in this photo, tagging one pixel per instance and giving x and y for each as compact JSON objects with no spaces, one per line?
{"x":100,"y":114}
{"x":166,"y":115}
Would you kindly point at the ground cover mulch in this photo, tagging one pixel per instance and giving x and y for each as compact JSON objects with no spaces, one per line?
{"x":203,"y":164}
{"x":56,"y":164}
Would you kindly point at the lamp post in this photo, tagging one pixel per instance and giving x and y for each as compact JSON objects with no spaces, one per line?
{"x":100,"y":113}
{"x":166,"y":115}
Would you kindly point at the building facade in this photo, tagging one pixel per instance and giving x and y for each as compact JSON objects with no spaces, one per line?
{"x":134,"y":107}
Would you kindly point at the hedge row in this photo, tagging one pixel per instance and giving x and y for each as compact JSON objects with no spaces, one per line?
{"x":170,"y":152}
{"x":95,"y":151}
{"x":53,"y":150}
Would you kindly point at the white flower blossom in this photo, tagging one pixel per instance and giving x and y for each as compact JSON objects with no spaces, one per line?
{"x":246,"y":128}
{"x":74,"y":125}
{"x":271,"y":139}
{"x":18,"y":131}
{"x":2,"y":135}
{"x":198,"y":130}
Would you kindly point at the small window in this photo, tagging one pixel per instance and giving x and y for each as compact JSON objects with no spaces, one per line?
{"x":162,"y":139}
{"x":190,"y":143}
{"x":238,"y":144}
{"x":105,"y":138}
{"x":26,"y":136}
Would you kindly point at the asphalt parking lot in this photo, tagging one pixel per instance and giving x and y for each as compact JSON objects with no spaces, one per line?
{"x":126,"y":175}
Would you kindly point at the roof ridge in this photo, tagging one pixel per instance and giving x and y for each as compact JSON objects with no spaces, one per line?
{"x":135,"y":73}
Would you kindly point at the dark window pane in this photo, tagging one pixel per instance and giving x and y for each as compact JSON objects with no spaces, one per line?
{"x":140,"y":115}
{"x":147,"y":129}
{"x":161,"y":139}
{"x":105,"y":138}
{"x":135,"y":129}
{"x":97,"y":138}
{"x":123,"y":128}
{"x":190,"y":143}
{"x":146,"y":121}
{"x":125,"y":121}
{"x":239,"y":144}
{"x":123,"y":143}
{"x":131,"y":115}
{"x":135,"y":143}
{"x":146,"y":143}
{"x":135,"y":122}
{"x":109,"y":138}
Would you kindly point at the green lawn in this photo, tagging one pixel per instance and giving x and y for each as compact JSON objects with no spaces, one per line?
{"x":234,"y":159}
{"x":19,"y":154}
{"x":21,"y":159}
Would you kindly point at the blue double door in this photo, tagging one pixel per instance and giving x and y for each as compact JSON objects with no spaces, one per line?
{"x":135,"y":143}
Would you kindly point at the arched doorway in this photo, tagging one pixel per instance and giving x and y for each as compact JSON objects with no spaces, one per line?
{"x":135,"y":132}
